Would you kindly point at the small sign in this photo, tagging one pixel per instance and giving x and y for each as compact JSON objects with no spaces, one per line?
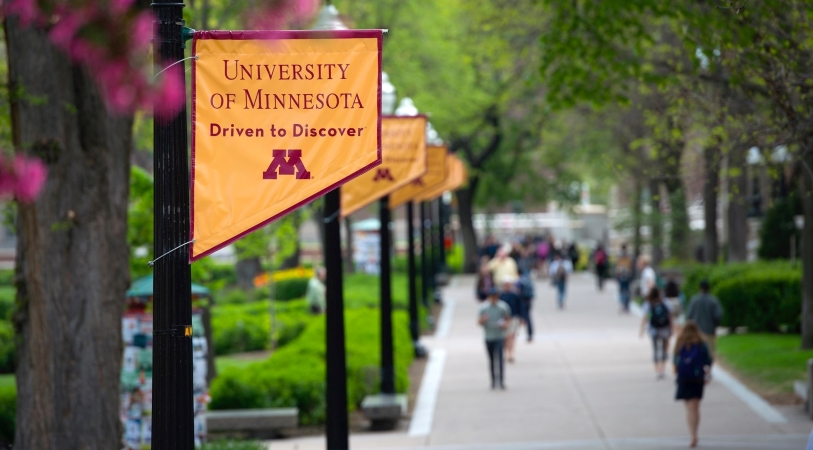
{"x":279,"y":118}
{"x":435,"y":174}
{"x":403,"y":150}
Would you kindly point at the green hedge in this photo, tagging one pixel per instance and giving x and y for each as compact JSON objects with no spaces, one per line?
{"x":246,"y":327}
{"x":763,"y":296}
{"x":295,"y":374}
{"x":8,"y":412}
{"x":7,"y":346}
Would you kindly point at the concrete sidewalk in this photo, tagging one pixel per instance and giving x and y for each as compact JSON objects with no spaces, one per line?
{"x":585,"y":382}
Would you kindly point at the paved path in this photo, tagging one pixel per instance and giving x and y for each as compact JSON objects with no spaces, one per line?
{"x":585,"y":382}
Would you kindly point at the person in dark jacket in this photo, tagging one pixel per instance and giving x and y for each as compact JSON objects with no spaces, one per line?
{"x":510,"y":296}
{"x":707,"y":312}
{"x":692,"y":367}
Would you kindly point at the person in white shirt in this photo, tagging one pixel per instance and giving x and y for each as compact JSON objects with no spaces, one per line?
{"x":560,"y":269}
{"x":648,"y":276}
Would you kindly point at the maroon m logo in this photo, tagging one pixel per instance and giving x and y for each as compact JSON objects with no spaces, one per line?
{"x":418,"y":182}
{"x":383,"y":174}
{"x":292,"y":166}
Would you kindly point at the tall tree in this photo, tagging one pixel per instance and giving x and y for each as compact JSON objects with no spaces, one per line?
{"x":72,"y":256}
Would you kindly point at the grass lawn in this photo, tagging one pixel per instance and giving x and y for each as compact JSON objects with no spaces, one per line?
{"x":768,"y":363}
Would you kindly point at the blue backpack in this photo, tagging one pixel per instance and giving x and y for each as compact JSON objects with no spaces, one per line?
{"x":526,"y":288}
{"x":690,"y":364}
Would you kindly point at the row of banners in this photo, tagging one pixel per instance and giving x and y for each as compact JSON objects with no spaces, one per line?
{"x":280,"y":118}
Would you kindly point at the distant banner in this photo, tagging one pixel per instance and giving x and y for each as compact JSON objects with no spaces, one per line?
{"x":435,"y":174}
{"x":456,"y":177}
{"x":279,"y":118}
{"x":403,"y":153}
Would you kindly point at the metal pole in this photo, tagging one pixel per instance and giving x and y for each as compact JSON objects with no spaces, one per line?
{"x":173,"y":412}
{"x":433,"y":261}
{"x":424,"y":259}
{"x":428,"y":270}
{"x":336,"y":372}
{"x":413,"y":298}
{"x":387,"y":360}
{"x":441,"y":235}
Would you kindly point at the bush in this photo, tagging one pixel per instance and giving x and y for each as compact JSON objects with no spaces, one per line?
{"x":225,"y":272}
{"x":233,"y":297}
{"x":290,"y":288}
{"x":6,"y":347}
{"x":241,"y":328}
{"x":7,"y":302}
{"x":295,"y":374}
{"x":762,"y":296}
{"x":7,"y":277}
{"x":454,"y":259}
{"x":762,"y":301}
{"x":8,"y":412}
{"x":234,"y":445}
{"x":777,"y":229}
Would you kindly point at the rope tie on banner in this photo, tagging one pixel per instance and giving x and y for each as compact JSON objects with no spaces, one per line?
{"x":152,"y":263}
{"x":332,"y":217}
{"x":195,"y":57}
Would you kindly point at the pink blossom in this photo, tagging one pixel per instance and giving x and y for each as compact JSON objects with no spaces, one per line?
{"x":170,"y":95}
{"x":141,"y":31}
{"x":26,"y":10}
{"x":29,"y":175}
{"x":118,"y":7}
{"x":64,"y":31}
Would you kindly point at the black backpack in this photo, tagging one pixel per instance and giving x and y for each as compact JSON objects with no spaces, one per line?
{"x":659,"y":315}
{"x":690,"y":365}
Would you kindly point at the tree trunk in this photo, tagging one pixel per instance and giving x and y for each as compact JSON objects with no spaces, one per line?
{"x":637,"y":219}
{"x":246,"y":270}
{"x":318,"y":217}
{"x":806,"y":192}
{"x":679,"y":236}
{"x":656,"y":222}
{"x":72,"y":256}
{"x":710,"y":239}
{"x":348,"y":240}
{"x":737,"y":206}
{"x":465,"y":209}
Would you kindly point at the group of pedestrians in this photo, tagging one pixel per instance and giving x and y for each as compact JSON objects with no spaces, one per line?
{"x":694,"y":348}
{"x":505,"y":288}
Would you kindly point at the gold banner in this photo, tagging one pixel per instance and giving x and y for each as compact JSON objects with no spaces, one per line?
{"x":403,"y":153}
{"x":456,"y":177}
{"x":435,"y":174}
{"x":279,"y":119}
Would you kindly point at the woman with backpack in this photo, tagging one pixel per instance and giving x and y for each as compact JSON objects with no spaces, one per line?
{"x":657,"y":321}
{"x":693,"y":367}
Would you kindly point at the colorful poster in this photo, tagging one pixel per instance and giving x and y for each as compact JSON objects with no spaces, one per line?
{"x":435,"y":174}
{"x":279,"y":119}
{"x":403,"y":152}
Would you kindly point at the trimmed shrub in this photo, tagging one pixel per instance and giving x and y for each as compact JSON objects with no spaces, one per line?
{"x":762,"y":301}
{"x":7,"y":277}
{"x":6,"y":347}
{"x":290,"y":288}
{"x":454,"y":259}
{"x":763,"y":296}
{"x":8,"y":413}
{"x":234,"y":445}
{"x":7,"y":302}
{"x":241,"y":328}
{"x":233,"y":297}
{"x":295,"y":374}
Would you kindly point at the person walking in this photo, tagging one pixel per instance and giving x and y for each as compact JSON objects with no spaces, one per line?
{"x":657,"y":321}
{"x":502,"y":266}
{"x":602,"y":264}
{"x":624,"y":275}
{"x":543,"y":250}
{"x":672,"y":297}
{"x":649,"y":279}
{"x":526,"y":295}
{"x":707,"y":312}
{"x":511,"y":298}
{"x":693,"y":368}
{"x":494,"y":316}
{"x":573,"y":255}
{"x":560,"y":269}
{"x":485,"y":282}
{"x":315,"y":292}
